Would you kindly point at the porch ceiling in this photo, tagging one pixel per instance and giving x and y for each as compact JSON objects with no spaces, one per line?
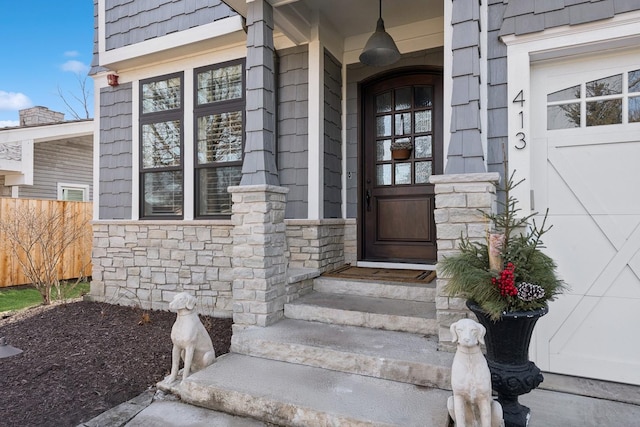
{"x":348,"y":17}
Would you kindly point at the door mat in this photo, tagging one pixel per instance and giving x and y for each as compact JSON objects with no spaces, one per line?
{"x":382,"y":274}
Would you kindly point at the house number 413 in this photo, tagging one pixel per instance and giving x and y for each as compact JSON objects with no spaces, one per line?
{"x":521,"y":142}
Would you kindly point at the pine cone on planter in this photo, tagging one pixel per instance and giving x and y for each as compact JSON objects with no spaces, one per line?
{"x":529,"y":291}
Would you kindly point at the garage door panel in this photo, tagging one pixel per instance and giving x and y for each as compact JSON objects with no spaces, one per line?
{"x":626,"y":285}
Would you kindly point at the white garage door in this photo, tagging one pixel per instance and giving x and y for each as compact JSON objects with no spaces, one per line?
{"x":586,"y":170}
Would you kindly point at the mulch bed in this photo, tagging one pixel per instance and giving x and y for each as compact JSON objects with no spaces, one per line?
{"x":82,"y":358}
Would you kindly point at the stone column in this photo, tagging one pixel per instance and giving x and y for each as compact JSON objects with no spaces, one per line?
{"x":258,"y":261}
{"x":460,"y":201}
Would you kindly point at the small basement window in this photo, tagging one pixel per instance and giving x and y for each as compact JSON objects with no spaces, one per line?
{"x":73,"y":192}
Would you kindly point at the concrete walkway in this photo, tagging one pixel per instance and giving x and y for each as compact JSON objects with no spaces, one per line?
{"x":549,"y":409}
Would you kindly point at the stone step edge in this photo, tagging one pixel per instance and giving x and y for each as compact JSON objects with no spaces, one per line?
{"x":376,"y":289}
{"x":426,"y":374}
{"x":222,"y":394}
{"x":315,"y":313}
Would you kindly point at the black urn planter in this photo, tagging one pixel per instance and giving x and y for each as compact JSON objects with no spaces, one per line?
{"x":512,"y":373}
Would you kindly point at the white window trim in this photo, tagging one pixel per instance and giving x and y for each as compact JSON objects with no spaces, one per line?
{"x":69,"y":186}
{"x":617,"y":32}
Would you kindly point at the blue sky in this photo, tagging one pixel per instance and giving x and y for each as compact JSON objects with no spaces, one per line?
{"x":45,"y":47}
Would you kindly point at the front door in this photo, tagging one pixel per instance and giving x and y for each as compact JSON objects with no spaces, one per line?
{"x":397,"y":199}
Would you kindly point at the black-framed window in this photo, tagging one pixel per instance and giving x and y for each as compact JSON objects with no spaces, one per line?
{"x":161,"y":147}
{"x":219,"y":94}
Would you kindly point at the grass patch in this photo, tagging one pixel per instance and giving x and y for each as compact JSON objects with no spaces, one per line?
{"x":26,"y":296}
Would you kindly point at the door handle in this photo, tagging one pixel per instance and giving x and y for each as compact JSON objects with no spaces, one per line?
{"x":367,"y":198}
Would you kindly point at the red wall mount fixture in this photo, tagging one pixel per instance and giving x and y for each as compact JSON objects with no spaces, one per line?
{"x":112,"y":79}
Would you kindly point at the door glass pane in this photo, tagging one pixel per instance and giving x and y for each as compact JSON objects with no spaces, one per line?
{"x":383,"y":150}
{"x":162,"y":193}
{"x":383,"y":174}
{"x":220,"y":137}
{"x":422,"y":147}
{"x":634,"y":81}
{"x":563,"y":116}
{"x":423,"y":121}
{"x":565,"y":94}
{"x":604,"y":112}
{"x":403,"y":123}
{"x":423,"y":96}
{"x":161,"y":95}
{"x":383,"y":102}
{"x":607,"y":86}
{"x":403,"y":173}
{"x":403,"y":98}
{"x":634,"y":109}
{"x":161,"y":144}
{"x":213,"y":198}
{"x":383,"y":125}
{"x":220,"y":84}
{"x":423,"y":172}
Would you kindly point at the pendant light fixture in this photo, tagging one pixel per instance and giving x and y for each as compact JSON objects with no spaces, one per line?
{"x":380,"y":49}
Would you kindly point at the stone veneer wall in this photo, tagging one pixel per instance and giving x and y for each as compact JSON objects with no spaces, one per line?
{"x":316,"y":244}
{"x":147,"y":263}
{"x":460,"y":201}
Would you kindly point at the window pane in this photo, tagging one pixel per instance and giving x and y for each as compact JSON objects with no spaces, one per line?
{"x":403,"y":98}
{"x":220,"y":137}
{"x":423,"y":172}
{"x":634,"y":81}
{"x":161,"y":95}
{"x":220,"y":84}
{"x":634,"y":109}
{"x":383,"y":102}
{"x":423,"y":121}
{"x":162,"y":193}
{"x":403,"y":173}
{"x":607,"y":86}
{"x":604,"y":112}
{"x":383,"y":174}
{"x":383,"y":150}
{"x":422,"y":147}
{"x":383,"y":126}
{"x":403,"y":123}
{"x":565,"y":94}
{"x":423,"y":96}
{"x":563,"y":116}
{"x":161,"y":144}
{"x":213,"y":198}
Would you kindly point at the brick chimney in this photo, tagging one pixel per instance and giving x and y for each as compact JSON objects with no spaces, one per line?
{"x":39,"y":116}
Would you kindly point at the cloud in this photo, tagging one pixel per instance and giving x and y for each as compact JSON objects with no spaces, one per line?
{"x":9,"y":123}
{"x":14,"y":101}
{"x":75,"y":67}
{"x":72,"y":53}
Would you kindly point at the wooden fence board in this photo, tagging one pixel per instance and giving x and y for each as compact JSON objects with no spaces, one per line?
{"x":76,"y":260}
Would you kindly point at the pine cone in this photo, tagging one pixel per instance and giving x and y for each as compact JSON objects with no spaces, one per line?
{"x":530,"y":292}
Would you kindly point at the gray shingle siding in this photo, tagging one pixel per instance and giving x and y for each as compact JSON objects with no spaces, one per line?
{"x":115,"y":152}
{"x":332,"y":137}
{"x":529,"y":16}
{"x":465,"y":103}
{"x":293,"y":78}
{"x":129,"y":22}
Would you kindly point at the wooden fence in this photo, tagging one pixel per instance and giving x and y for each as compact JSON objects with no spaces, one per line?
{"x":75,"y":261}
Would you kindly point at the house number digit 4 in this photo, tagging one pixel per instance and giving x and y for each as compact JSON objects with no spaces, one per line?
{"x":522,"y":142}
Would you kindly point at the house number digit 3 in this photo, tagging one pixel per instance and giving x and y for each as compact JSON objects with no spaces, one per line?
{"x":521,"y":143}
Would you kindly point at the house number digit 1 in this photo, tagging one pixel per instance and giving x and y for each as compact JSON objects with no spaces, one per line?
{"x":522,"y":142}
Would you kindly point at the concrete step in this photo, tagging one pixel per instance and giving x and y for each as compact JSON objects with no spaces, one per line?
{"x":295,"y":395}
{"x":354,"y":310}
{"x":397,"y":356}
{"x":379,"y":289}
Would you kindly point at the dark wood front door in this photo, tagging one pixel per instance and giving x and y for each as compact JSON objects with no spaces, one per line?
{"x":397,"y":199}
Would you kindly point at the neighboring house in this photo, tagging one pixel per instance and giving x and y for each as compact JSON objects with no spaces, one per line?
{"x":47,"y":157}
{"x":269,"y":98}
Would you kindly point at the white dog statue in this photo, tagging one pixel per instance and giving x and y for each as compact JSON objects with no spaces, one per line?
{"x":191,"y":342}
{"x":471,"y":404}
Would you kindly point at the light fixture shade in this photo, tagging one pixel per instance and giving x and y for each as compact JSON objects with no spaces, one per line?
{"x":380,"y":49}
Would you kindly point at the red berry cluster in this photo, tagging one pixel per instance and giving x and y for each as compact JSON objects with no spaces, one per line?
{"x":506,"y":281}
